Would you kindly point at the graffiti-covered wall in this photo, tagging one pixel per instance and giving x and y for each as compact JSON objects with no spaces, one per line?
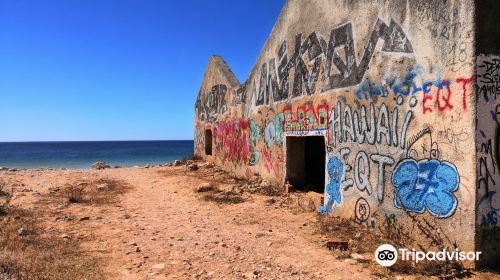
{"x":390,"y":86}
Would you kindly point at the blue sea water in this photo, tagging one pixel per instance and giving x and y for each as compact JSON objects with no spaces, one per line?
{"x":81,"y":155}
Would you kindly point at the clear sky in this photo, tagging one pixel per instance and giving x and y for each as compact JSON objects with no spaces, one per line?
{"x":118,"y":69}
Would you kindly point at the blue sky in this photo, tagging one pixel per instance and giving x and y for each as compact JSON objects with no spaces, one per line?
{"x":118,"y":69}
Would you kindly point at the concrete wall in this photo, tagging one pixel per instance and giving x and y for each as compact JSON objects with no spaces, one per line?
{"x":390,"y":86}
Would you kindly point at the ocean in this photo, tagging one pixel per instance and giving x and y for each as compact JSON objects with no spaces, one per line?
{"x":81,"y":155}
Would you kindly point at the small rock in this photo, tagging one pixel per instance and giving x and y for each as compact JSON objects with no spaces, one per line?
{"x":211,"y":254}
{"x":177,"y":163}
{"x":102,"y":187}
{"x":54,"y":189}
{"x":23,"y":231}
{"x":65,"y":236}
{"x":189,"y":162}
{"x":84,"y":218}
{"x":159,"y":266}
{"x":205,"y":187}
{"x":100,"y":165}
{"x":192,"y":167}
{"x":357,"y":257}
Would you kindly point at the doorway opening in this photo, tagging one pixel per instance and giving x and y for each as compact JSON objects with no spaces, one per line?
{"x":208,"y":142}
{"x":305,"y":158}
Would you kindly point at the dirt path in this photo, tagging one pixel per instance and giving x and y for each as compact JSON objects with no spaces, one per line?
{"x":160,"y":229}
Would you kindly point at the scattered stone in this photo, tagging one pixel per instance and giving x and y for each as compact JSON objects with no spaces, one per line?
{"x":265,"y":184}
{"x":159,"y":266}
{"x":189,"y":162}
{"x":12,"y":169}
{"x":100,"y":165}
{"x":103,"y":187}
{"x":23,"y":231}
{"x":192,"y":167}
{"x":358,"y":257}
{"x":177,"y":163}
{"x":209,"y":165}
{"x":65,"y":236}
{"x":4,"y":168}
{"x":205,"y":187}
{"x":211,"y":254}
{"x":84,"y":218}
{"x":54,"y":189}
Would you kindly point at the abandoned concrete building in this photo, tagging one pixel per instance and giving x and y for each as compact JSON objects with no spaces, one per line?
{"x":387,"y":109}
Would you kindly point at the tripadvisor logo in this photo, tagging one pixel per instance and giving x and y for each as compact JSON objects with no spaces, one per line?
{"x":387,"y":255}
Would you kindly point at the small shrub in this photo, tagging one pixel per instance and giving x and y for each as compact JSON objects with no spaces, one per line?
{"x":5,"y":198}
{"x":224,"y":197}
{"x":206,"y":188}
{"x":75,"y":193}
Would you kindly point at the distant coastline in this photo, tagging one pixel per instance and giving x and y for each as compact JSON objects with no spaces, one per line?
{"x":82,"y":154}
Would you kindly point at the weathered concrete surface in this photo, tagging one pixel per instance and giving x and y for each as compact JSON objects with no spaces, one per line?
{"x":390,"y":85}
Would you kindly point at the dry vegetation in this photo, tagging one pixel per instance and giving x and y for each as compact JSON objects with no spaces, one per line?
{"x":100,"y":191}
{"x":30,"y":250}
{"x":363,"y":240}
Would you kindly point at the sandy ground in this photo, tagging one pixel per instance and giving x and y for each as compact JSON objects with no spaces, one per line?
{"x":161,"y":229}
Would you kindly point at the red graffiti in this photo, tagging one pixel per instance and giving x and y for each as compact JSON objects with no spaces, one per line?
{"x":270,"y":164}
{"x":233,"y":142}
{"x":464,"y":90}
{"x":446,"y":97}
{"x":442,"y":99}
{"x":248,"y":172}
{"x":306,"y":117}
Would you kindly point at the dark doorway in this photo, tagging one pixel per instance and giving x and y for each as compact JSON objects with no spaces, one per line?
{"x":305,"y":157}
{"x":208,"y":142}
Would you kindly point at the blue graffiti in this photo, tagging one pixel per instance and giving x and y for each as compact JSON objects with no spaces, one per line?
{"x":427,"y":184}
{"x":368,"y":90}
{"x":279,"y":119}
{"x":269,"y":134}
{"x":407,"y":85}
{"x":335,"y":172}
{"x":254,"y":138}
